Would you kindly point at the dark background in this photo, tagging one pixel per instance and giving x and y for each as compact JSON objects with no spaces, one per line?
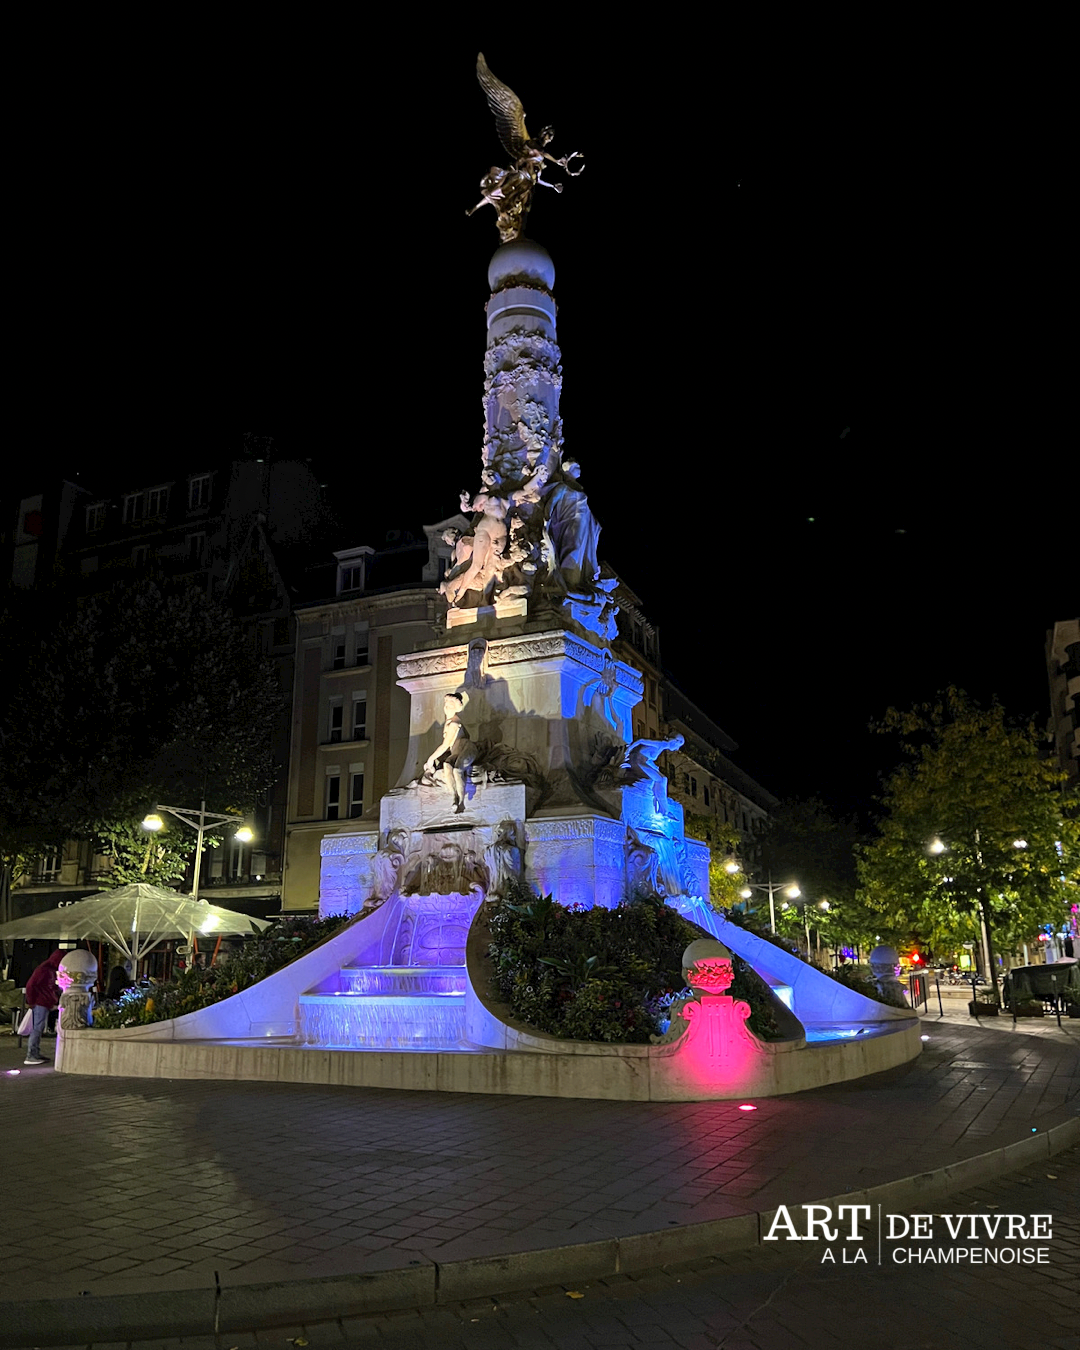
{"x":807,"y":298}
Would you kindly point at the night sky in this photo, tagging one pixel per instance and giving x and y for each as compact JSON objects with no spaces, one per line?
{"x":802,"y":317}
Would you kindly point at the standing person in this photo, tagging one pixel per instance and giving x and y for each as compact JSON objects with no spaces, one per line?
{"x":42,"y":995}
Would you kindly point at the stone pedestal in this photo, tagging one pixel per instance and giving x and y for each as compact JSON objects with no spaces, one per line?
{"x":544,"y":708}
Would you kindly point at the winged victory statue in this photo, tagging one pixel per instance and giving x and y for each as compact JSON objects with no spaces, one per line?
{"x":510,"y":191}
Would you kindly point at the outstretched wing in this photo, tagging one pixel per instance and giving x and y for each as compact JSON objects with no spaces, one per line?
{"x":507,"y":107}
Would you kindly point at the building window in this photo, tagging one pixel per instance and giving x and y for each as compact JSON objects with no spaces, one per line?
{"x":198,"y":491}
{"x":705,"y":794}
{"x":95,"y":518}
{"x":236,"y":868}
{"x":333,"y":796}
{"x":359,"y":719}
{"x":337,"y":652}
{"x":140,"y":556}
{"x":693,"y":787}
{"x":281,"y":632}
{"x":196,"y":549}
{"x":49,"y":867}
{"x":157,"y":501}
{"x":337,"y":713}
{"x":352,"y":579}
{"x":134,"y":507}
{"x":361,"y":646}
{"x":356,"y":795}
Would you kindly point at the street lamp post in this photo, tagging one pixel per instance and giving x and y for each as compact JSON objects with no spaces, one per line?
{"x":790,"y":889}
{"x":199,"y":821}
{"x":936,"y":847}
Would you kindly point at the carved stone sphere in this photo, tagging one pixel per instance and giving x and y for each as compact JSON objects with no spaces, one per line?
{"x":885,"y":957}
{"x":79,"y":967}
{"x":521,"y":258}
{"x":707,"y":966}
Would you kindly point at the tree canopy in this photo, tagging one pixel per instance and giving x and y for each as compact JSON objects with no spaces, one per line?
{"x":144,"y":692}
{"x":976,"y":817}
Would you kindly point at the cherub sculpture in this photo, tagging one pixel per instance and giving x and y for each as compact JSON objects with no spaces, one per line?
{"x":510,"y":191}
{"x":479,"y":565}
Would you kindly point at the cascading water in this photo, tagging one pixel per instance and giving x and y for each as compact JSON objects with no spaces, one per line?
{"x":416,"y":1000}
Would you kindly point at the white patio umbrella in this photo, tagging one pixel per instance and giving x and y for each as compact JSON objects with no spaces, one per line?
{"x":136,"y":919}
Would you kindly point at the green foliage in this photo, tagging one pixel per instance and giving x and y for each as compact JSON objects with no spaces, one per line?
{"x":257,"y":957}
{"x":135,"y":855}
{"x":600,"y":974}
{"x":725,"y":844}
{"x":977,"y":782}
{"x":145,"y":692}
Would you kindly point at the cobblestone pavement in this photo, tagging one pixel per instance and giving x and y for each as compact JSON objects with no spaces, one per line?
{"x":163,"y":1180}
{"x":785,"y":1298}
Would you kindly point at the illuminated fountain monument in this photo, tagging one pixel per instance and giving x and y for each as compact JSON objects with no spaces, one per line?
{"x":521,"y":761}
{"x":521,"y":767}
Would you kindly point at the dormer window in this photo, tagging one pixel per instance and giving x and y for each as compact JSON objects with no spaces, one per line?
{"x":95,"y":518}
{"x":198,"y":491}
{"x":134,"y":507}
{"x":352,"y":569}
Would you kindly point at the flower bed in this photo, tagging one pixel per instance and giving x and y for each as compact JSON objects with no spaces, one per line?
{"x":276,"y":946}
{"x":601,"y":974}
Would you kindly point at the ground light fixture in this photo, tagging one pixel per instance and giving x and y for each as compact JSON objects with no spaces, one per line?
{"x":747,"y":1107}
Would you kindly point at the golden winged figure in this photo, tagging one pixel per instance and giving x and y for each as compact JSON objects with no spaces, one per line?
{"x":509,"y":191}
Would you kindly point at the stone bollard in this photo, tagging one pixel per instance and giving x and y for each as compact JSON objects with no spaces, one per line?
{"x":76,"y":974}
{"x":884,"y":963}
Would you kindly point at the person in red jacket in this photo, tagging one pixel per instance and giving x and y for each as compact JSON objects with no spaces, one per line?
{"x":42,"y":995}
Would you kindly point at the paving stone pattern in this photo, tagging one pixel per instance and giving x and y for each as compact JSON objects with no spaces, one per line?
{"x":164,"y":1179}
{"x":764,"y":1299}
{"x":167,"y":1178}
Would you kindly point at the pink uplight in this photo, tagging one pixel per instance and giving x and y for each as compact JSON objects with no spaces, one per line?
{"x":747,"y":1107}
{"x":12,"y":1073}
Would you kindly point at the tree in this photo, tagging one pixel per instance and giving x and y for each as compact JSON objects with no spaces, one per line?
{"x":804,"y":842}
{"x":977,"y":825}
{"x":142,"y":693}
{"x":724,"y":841}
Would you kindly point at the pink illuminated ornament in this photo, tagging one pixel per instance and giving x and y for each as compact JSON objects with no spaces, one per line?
{"x":713,"y":977}
{"x":708,"y":966}
{"x":747,"y":1107}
